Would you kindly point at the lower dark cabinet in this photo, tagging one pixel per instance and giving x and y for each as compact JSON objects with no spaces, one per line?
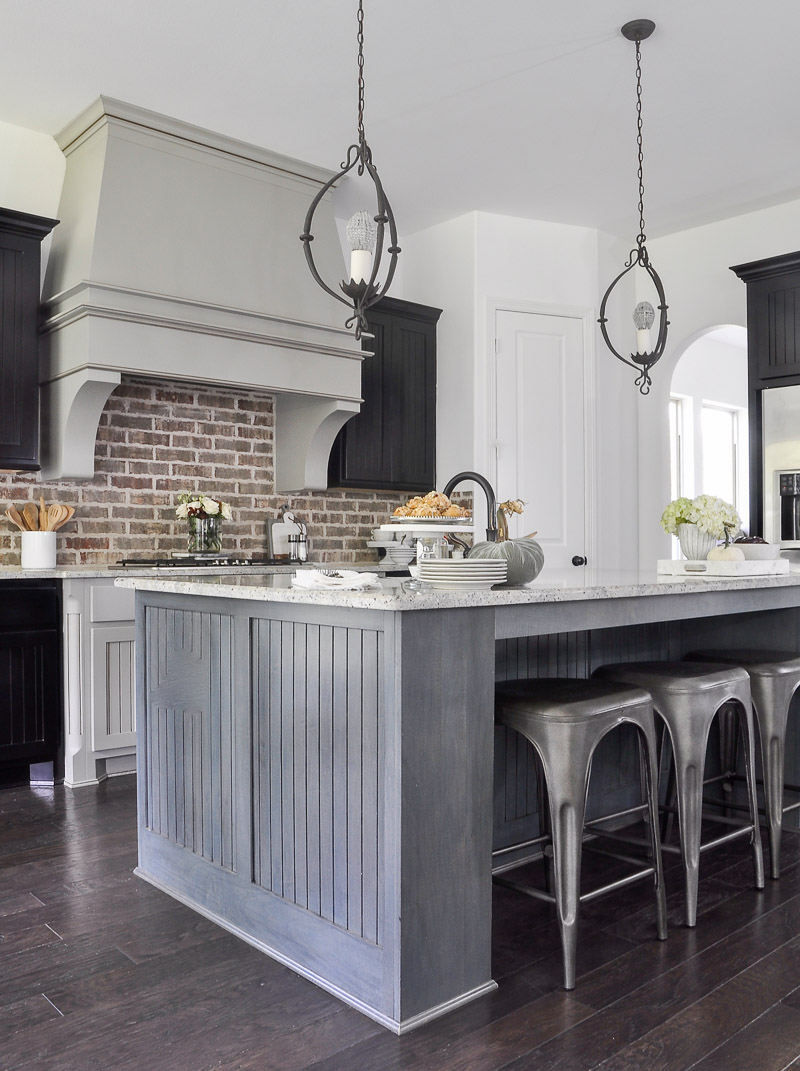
{"x":391,"y":443}
{"x":30,"y":675}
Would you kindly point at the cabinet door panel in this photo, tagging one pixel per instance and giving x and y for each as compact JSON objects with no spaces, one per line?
{"x":20,"y":238}
{"x":30,"y":696}
{"x":391,"y":443}
{"x":113,"y":707}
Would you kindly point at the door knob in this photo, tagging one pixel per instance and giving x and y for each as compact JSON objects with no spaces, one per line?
{"x":578,"y":560}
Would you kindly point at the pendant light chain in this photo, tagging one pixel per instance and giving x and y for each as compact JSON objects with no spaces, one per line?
{"x":641,"y":237}
{"x":360,"y":37}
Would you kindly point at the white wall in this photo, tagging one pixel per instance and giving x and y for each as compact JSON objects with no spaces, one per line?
{"x":31,"y":174}
{"x":473,"y":262}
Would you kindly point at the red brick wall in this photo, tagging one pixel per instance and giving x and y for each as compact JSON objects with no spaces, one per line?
{"x":156,"y":440}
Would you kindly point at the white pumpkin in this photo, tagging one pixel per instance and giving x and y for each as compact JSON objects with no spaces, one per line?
{"x":726,"y":553}
{"x":524,"y":556}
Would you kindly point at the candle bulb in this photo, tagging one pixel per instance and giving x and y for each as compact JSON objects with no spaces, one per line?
{"x":361,"y":235}
{"x":644,"y":316}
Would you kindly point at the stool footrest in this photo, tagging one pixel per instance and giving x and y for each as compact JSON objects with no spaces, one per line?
{"x":714,"y":842}
{"x":593,"y":894}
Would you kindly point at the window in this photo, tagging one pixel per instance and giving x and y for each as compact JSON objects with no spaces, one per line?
{"x":725,"y":455}
{"x":676,"y":447}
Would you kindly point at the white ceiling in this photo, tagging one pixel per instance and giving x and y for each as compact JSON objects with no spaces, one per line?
{"x":525,"y":107}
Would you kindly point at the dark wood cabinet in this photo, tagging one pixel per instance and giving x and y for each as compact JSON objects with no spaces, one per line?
{"x":20,"y":256}
{"x":773,"y":351}
{"x":391,"y":443}
{"x":30,"y":675}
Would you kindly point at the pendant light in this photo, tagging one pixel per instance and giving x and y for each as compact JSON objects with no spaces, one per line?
{"x":644,"y":315}
{"x":365,"y":230}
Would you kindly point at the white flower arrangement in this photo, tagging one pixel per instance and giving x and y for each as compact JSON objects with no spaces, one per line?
{"x":195,"y":504}
{"x":710,"y":514}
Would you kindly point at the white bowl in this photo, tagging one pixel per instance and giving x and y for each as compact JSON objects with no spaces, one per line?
{"x":759,"y":552}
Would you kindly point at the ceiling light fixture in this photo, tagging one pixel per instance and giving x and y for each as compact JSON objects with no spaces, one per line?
{"x":365,"y":230}
{"x":644,"y":314}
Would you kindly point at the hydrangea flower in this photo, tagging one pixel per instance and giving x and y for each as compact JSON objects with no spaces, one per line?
{"x":710,"y":514}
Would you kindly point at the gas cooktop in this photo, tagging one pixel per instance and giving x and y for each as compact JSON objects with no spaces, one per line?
{"x":222,"y":561}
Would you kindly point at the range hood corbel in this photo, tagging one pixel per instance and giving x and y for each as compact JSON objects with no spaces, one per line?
{"x":178,"y":258}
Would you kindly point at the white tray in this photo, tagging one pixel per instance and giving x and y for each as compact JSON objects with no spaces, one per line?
{"x":709,"y":570}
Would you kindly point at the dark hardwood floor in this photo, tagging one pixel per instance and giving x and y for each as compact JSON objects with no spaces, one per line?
{"x":102,"y":971}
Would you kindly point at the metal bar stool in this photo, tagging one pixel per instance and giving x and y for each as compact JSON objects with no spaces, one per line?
{"x":687,"y":695}
{"x":774,"y":678}
{"x":565,"y":720}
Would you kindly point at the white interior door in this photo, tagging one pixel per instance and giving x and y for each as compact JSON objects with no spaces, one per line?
{"x":540,"y":432}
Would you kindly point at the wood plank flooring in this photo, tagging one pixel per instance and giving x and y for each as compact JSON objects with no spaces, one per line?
{"x":101,"y":971}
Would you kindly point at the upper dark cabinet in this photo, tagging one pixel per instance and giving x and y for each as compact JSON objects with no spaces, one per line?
{"x":20,"y":256}
{"x":773,"y":319}
{"x":391,"y":443}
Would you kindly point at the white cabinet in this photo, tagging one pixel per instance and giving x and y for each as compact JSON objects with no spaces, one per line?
{"x":100,"y":729}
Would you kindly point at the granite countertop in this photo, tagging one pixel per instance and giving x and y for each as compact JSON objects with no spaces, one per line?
{"x":393,"y":597}
{"x":85,"y":572}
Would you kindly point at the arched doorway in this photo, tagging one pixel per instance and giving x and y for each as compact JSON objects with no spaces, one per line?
{"x":708,"y":419}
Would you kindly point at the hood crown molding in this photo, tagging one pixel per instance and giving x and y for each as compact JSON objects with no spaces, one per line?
{"x":178,"y":257}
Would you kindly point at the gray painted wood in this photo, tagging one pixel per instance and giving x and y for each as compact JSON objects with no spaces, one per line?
{"x":388,"y":899}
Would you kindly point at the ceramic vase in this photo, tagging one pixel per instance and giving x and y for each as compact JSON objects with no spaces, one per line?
{"x":694,"y":542}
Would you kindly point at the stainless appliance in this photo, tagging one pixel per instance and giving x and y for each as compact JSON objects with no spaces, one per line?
{"x":780,"y":408}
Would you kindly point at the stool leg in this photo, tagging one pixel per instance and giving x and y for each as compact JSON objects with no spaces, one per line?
{"x":567,"y":778}
{"x":689,"y":753}
{"x":648,"y":765}
{"x":771,"y":699}
{"x":727,"y":751}
{"x":748,"y":740}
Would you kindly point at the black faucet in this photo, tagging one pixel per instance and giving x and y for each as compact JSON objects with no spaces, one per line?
{"x":488,"y":490}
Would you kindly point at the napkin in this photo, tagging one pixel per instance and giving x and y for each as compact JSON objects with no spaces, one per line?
{"x":343,"y":580}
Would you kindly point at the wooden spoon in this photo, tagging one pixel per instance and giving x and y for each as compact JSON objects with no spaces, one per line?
{"x":31,"y":515}
{"x":16,"y":518}
{"x":69,"y":511}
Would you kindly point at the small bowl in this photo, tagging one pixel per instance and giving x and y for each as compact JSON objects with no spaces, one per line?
{"x":759,"y":552}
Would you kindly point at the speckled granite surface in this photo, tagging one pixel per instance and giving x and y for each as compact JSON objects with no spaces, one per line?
{"x":618,"y":586}
{"x":84,"y":572}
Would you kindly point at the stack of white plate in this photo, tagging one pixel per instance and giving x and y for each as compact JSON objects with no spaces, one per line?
{"x":462,"y":574}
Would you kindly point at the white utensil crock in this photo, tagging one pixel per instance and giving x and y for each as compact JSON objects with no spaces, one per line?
{"x":38,"y":550}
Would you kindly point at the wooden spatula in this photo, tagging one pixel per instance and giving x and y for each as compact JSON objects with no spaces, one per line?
{"x":68,"y":513}
{"x":31,"y":515}
{"x":42,"y":515}
{"x":56,"y":516}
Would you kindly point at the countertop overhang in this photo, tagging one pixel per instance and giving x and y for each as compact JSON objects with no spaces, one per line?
{"x":618,"y":586}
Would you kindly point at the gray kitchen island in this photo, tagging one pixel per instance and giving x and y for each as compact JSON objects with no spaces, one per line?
{"x":316,"y":770}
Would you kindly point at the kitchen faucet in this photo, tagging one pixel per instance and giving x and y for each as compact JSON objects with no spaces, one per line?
{"x":491,"y":501}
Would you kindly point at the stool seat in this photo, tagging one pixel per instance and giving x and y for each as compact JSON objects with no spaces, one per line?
{"x":774,"y":678}
{"x":687,"y":696}
{"x":566,"y":699}
{"x":564,"y":720}
{"x":674,"y":677}
{"x":760,"y":663}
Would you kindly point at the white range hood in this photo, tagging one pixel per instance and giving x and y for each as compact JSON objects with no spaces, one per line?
{"x":178,"y":257}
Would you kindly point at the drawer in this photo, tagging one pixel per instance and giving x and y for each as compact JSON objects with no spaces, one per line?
{"x":29,"y":604}
{"x":108,"y":603}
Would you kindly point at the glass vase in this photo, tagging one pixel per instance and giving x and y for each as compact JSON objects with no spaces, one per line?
{"x":205,"y":535}
{"x":694,"y":542}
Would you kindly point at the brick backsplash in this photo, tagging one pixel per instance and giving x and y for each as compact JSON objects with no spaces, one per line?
{"x":158,"y":439}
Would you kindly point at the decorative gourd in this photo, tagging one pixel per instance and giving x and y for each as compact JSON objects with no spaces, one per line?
{"x":727,"y":552}
{"x":524,"y":556}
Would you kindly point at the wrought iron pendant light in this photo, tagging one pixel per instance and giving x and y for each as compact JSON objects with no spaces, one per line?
{"x":365,"y":231}
{"x":644,"y":314}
